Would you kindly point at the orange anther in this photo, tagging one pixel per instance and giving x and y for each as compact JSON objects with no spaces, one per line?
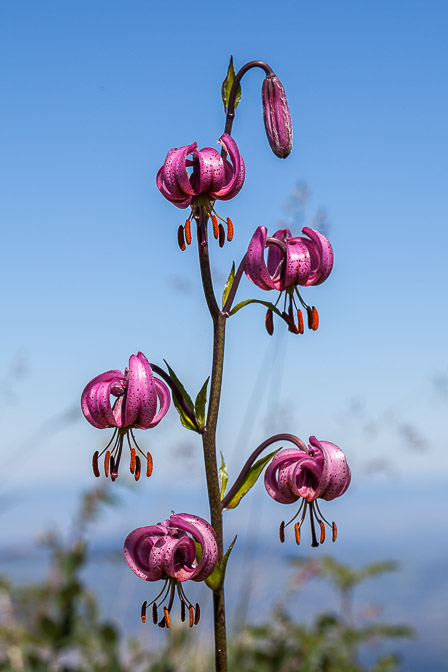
{"x":300,"y":324}
{"x":95,"y":467}
{"x":222,"y":235}
{"x":269,"y":322}
{"x":106,"y":463}
{"x":149,"y":466}
{"x":229,"y":229}
{"x":297,"y":533}
{"x":191,"y":610}
{"x":143,"y":613}
{"x":132,"y":463}
{"x":138,"y":467}
{"x":335,"y":532}
{"x":180,"y":238}
{"x":322,"y":532}
{"x":188,"y":232}
{"x":282,"y":532}
{"x":313,"y":318}
{"x":215,"y":226}
{"x":167,"y":617}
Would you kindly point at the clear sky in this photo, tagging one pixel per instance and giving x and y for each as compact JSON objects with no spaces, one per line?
{"x":93,"y":95}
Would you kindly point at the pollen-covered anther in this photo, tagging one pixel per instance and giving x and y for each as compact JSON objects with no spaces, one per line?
{"x":166,"y":617}
{"x":191,"y":611}
{"x":181,"y":238}
{"x":187,"y":229}
{"x":269,"y":322}
{"x":282,"y":531}
{"x":300,"y":323}
{"x":95,"y":467}
{"x":313,"y":318}
{"x":322,"y":531}
{"x":149,"y":465}
{"x":297,"y":533}
{"x":335,"y":531}
{"x":106,"y":463}
{"x":143,"y":612}
{"x":133,"y":461}
{"x":215,"y":226}
{"x":222,"y":236}
{"x":229,"y":229}
{"x":138,"y":468}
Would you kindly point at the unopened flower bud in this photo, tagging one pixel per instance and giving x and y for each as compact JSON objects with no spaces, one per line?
{"x":277,"y":119}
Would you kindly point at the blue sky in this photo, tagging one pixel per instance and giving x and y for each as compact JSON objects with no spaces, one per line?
{"x":93,"y":97}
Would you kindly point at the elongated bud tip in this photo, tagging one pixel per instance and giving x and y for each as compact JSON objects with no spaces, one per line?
{"x":277,"y":119}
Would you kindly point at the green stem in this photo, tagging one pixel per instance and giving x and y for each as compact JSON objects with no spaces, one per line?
{"x":209,"y":437}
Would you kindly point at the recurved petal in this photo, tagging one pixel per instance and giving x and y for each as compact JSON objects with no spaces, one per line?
{"x":336,"y":473}
{"x":139,"y":551}
{"x":180,"y":202}
{"x":204,"y":534}
{"x":256,"y":269}
{"x":95,"y":399}
{"x":174,"y":172}
{"x":305,"y":475}
{"x":179,"y":558}
{"x":236,"y":181}
{"x":321,"y":256}
{"x":276,"y":475}
{"x":164,"y":397}
{"x":208,"y":174}
{"x":141,"y":395}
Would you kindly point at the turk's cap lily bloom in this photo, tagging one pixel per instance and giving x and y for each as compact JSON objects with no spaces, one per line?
{"x":295,"y":474}
{"x":167,"y":551}
{"x":201,"y":180}
{"x":141,"y":402}
{"x":277,"y":119}
{"x":291,"y":262}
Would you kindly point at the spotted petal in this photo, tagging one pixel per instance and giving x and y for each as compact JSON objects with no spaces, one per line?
{"x":95,"y":399}
{"x":141,"y":395}
{"x":237,"y":173}
{"x":321,"y":254}
{"x":256,"y":269}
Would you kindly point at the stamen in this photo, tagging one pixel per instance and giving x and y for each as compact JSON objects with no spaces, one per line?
{"x":313,"y":318}
{"x":132,"y":463}
{"x":180,"y":238}
{"x":197,"y":615}
{"x":300,"y":325}
{"x":138,"y":467}
{"x":335,"y":532}
{"x":188,"y":232}
{"x":149,"y":466}
{"x":222,"y":235}
{"x":143,"y":613}
{"x":155,"y":616}
{"x":291,"y":326}
{"x":314,"y":542}
{"x":282,"y":531}
{"x":215,"y":226}
{"x":114,"y":467}
{"x":229,"y":229}
{"x":106,"y":463}
{"x":322,"y":531}
{"x":167,"y":617}
{"x":191,"y":610}
{"x":182,"y":611}
{"x":269,"y":322}
{"x":95,"y":467}
{"x":297,"y":533}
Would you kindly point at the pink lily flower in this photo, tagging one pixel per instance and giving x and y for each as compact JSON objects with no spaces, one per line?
{"x":322,"y":472}
{"x":139,"y":394}
{"x":167,"y":551}
{"x":291,"y":261}
{"x":211,"y":178}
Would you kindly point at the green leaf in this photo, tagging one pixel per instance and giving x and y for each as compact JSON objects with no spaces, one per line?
{"x":199,"y":405}
{"x":185,"y":420}
{"x":250,"y":480}
{"x":227,"y":87}
{"x":216,"y":578}
{"x":223,"y":477}
{"x":228,"y":285}
{"x":238,"y":307}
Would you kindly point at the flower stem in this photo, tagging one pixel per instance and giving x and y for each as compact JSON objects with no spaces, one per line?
{"x":230,"y":115}
{"x":209,"y":437}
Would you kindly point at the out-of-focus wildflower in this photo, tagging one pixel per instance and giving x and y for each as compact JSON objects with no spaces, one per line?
{"x":294,"y":474}
{"x":138,"y":396}
{"x":167,"y":551}
{"x":291,"y":261}
{"x":200,"y":181}
{"x":277,"y":119}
